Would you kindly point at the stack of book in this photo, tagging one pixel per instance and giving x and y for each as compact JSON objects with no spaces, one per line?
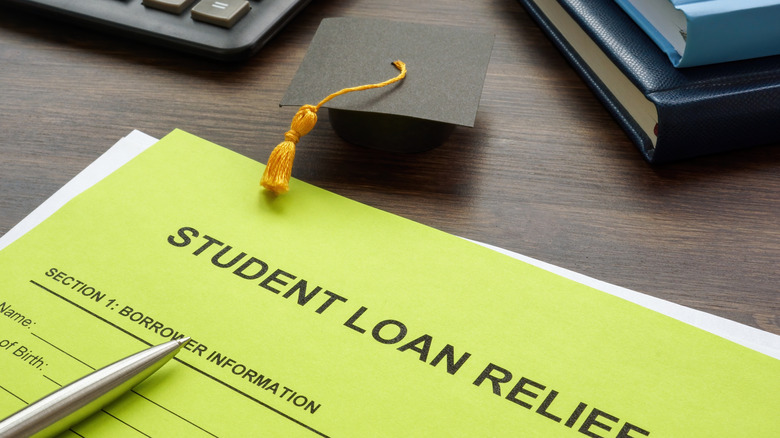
{"x":682,"y":78}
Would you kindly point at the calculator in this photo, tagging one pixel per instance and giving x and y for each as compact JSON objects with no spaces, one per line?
{"x":219,"y":29}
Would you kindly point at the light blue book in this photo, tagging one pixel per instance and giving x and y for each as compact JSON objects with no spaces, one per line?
{"x":700,"y":32}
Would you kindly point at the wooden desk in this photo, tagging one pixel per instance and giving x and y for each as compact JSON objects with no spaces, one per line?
{"x":545,"y":172}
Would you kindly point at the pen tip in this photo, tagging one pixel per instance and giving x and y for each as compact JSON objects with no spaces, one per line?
{"x":183,"y":340}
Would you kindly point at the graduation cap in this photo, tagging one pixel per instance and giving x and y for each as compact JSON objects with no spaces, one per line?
{"x":407,"y":106}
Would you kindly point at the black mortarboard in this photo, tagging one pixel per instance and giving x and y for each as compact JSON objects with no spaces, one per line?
{"x":446,"y":71}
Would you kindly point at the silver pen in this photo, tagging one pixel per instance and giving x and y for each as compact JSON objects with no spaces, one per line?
{"x":72,"y":403}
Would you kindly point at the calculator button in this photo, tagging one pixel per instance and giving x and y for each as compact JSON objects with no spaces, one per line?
{"x":172,"y":6}
{"x":223,"y":13}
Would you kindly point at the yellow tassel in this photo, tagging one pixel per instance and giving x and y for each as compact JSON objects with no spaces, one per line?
{"x":276,"y":177}
{"x":277,"y":173}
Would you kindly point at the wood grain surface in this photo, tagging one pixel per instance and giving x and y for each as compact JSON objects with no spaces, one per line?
{"x":545,"y":172}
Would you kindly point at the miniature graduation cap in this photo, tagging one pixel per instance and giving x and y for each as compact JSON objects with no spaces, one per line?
{"x":398,"y":110}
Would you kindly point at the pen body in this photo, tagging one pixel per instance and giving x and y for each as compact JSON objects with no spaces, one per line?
{"x":76,"y":401}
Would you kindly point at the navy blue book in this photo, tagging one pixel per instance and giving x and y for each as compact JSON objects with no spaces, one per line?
{"x":669,"y":113}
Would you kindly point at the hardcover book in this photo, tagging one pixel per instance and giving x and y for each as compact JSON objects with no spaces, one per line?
{"x":700,"y":32}
{"x":669,"y":113}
